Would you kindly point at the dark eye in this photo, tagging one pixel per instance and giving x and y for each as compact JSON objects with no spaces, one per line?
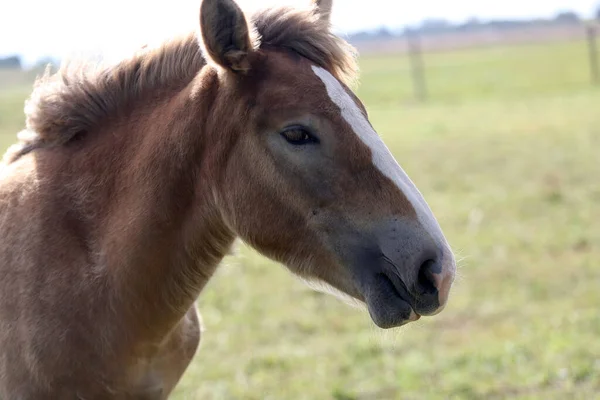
{"x":298,"y":135}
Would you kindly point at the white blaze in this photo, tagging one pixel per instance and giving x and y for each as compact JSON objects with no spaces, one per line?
{"x":382,"y":158}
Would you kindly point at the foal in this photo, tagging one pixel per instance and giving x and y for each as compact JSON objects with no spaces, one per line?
{"x":131,"y":183}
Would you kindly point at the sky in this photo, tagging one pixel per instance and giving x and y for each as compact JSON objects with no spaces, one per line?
{"x":114,"y":28}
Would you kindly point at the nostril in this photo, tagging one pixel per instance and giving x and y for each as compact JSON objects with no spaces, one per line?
{"x":426,"y":279}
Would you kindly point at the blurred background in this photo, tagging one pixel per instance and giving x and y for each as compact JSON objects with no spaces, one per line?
{"x":494,"y":112}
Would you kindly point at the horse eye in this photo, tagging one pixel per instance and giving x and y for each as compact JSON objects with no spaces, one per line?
{"x":298,"y":135}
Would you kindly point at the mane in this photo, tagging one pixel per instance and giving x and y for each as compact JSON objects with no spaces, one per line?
{"x":305,"y":33}
{"x":81,"y":95}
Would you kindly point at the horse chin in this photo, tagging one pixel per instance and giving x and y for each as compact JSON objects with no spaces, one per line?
{"x":387,"y":308}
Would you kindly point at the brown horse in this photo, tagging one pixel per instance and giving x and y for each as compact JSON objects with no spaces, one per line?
{"x":132,"y":182}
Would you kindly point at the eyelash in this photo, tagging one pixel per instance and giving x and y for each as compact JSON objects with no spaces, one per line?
{"x":298,"y":135}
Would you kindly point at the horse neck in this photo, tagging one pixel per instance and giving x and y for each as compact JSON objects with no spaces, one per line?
{"x":146,"y":189}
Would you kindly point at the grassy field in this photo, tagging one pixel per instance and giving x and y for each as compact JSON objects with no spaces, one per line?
{"x":506,"y":153}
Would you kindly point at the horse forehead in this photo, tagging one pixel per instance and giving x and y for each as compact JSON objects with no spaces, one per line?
{"x":288,"y":83}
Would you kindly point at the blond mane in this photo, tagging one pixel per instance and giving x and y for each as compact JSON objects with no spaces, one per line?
{"x":80,"y":96}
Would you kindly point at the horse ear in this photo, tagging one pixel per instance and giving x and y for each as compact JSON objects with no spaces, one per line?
{"x":323,"y":8}
{"x":225,"y":34}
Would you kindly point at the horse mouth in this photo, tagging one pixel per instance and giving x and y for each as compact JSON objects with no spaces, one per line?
{"x":389,"y":303}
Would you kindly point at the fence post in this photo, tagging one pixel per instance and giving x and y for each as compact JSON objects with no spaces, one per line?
{"x":415,"y":56}
{"x":593,"y":52}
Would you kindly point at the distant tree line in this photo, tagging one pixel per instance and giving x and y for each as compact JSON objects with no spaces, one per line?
{"x":440,"y":26}
{"x":12,"y":62}
{"x":15,"y":62}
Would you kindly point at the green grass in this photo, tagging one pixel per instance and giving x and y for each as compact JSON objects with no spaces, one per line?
{"x":497,"y":72}
{"x":506,"y":153}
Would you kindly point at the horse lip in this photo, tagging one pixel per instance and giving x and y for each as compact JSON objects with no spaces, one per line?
{"x":403,"y":293}
{"x":382,"y":320}
{"x":414,"y":316}
{"x":401,"y":290}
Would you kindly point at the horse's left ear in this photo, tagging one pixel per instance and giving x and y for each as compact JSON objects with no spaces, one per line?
{"x":323,"y":8}
{"x":225,"y":34}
